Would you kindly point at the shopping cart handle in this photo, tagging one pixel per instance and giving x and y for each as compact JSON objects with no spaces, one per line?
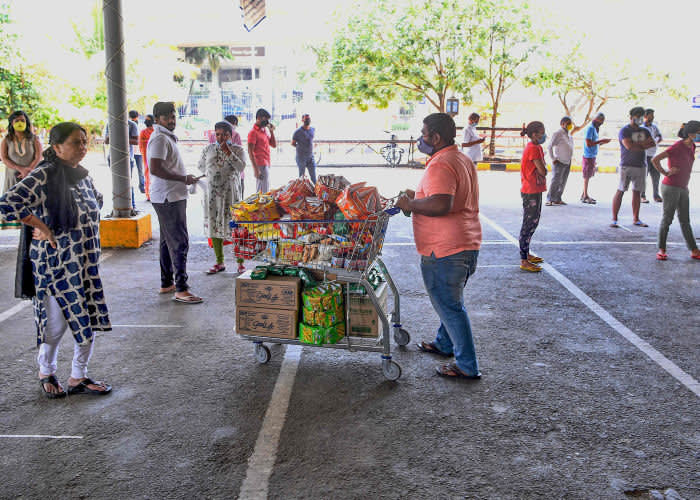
{"x":392,"y":210}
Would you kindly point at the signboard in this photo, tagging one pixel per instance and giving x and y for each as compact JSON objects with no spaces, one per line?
{"x":253,"y":13}
{"x":695,"y":101}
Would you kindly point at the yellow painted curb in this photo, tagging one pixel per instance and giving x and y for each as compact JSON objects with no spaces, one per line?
{"x":576,"y":168}
{"x":513,"y":167}
{"x":483,"y":166}
{"x":607,"y":170}
{"x":129,"y":232}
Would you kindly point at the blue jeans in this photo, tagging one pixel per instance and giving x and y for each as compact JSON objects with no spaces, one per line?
{"x":138,"y":161}
{"x":307,"y":164}
{"x":444,"y":280}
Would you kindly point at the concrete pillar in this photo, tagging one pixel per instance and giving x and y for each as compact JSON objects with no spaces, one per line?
{"x":116,"y":107}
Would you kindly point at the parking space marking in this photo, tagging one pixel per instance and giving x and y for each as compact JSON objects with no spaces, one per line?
{"x":148,"y":326}
{"x":260,"y":464}
{"x":37,"y":436}
{"x":674,"y":370}
{"x":26,"y":303}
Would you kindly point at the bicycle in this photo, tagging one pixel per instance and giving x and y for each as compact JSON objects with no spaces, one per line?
{"x":392,"y":152}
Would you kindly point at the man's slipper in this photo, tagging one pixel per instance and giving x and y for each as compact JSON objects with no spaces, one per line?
{"x":430,"y":348}
{"x":658,"y":199}
{"x":614,"y":224}
{"x":190,"y":299}
{"x":695,"y":256}
{"x":661,"y":256}
{"x":532,"y":269}
{"x":561,"y":203}
{"x":535,"y":259}
{"x":168,"y":289}
{"x":82,"y":388}
{"x":640,"y":224}
{"x":51,"y":379}
{"x":451,"y":370}
{"x":548,"y":204}
{"x":644,"y":200}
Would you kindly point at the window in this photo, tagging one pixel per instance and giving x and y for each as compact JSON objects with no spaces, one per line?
{"x":237,"y":74}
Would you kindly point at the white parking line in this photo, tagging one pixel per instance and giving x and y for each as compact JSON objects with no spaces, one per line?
{"x":148,"y":326}
{"x":658,"y":358}
{"x":261,"y":462}
{"x":26,"y":303}
{"x":37,"y":436}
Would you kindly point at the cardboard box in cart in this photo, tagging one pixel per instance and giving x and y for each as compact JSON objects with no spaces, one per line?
{"x":268,"y":308}
{"x":363,"y":318}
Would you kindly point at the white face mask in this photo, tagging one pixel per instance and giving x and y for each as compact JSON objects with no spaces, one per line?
{"x":639,"y":121}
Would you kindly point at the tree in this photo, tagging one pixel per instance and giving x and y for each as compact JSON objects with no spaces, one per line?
{"x":506,"y":39}
{"x":583,"y":88}
{"x":390,"y":50}
{"x":213,"y":55}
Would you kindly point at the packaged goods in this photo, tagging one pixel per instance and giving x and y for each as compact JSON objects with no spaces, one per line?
{"x":313,"y":335}
{"x":338,"y":262}
{"x":246,"y":244}
{"x":265,"y":322}
{"x":340,"y":227}
{"x":310,"y":253}
{"x":276,"y":270}
{"x":256,"y":207}
{"x":315,"y":317}
{"x":307,"y":279}
{"x":330,"y":187}
{"x":334,"y":333}
{"x":259,"y":274}
{"x":275,"y":292}
{"x":291,"y":271}
{"x":324,"y":297}
{"x":363,"y":320}
{"x":324,"y":253}
{"x":294,"y":191}
{"x":359,"y":201}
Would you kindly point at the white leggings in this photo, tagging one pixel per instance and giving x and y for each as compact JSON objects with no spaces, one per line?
{"x":56,"y":326}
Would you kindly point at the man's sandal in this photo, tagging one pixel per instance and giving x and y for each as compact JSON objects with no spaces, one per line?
{"x":451,"y":370}
{"x":532,"y":268}
{"x":661,"y":255}
{"x":430,"y":348}
{"x":216,"y":268}
{"x":82,"y":388}
{"x":51,"y":379}
{"x":535,"y":259}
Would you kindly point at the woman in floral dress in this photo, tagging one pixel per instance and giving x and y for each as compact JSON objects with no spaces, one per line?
{"x":222,"y":164}
{"x":59,"y":200}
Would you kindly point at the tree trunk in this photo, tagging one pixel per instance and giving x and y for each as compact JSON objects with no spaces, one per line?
{"x":494,"y":118}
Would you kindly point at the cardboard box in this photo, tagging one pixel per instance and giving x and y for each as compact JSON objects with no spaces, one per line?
{"x":363,"y":318}
{"x":275,"y":292}
{"x":278,"y":323}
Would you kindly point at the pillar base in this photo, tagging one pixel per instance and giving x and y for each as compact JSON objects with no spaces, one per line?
{"x":128,"y":232}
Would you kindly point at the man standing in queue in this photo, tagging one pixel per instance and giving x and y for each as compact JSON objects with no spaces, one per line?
{"x":447,"y":231}
{"x":303,"y":141}
{"x":169,"y":182}
{"x":259,"y":143}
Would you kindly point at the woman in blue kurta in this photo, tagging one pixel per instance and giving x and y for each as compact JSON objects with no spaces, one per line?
{"x":59,"y":200}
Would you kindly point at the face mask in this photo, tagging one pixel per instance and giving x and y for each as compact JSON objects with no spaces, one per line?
{"x":596,"y":125}
{"x":542,"y":141}
{"x":19,"y":126}
{"x":639,"y":121}
{"x":569,"y":127}
{"x":264,"y":123}
{"x":307,"y":122}
{"x":424,"y":147}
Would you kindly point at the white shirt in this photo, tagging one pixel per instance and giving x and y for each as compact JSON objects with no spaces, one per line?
{"x":163,"y":145}
{"x":656,"y":135}
{"x":561,"y":147}
{"x":470,"y":135}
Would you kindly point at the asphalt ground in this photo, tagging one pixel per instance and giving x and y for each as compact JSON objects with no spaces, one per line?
{"x":567,"y":408}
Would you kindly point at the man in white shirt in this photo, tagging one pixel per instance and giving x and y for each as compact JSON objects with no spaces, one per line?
{"x":561,"y":149}
{"x":169,"y":182}
{"x":471,"y":144}
{"x":650,"y":153}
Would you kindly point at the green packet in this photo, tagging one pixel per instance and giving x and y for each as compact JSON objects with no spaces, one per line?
{"x":291,"y":271}
{"x":319,"y":335}
{"x":258,"y":274}
{"x":276,"y":270}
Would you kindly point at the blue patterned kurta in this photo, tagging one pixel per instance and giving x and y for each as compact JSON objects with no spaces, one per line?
{"x":69,"y":272}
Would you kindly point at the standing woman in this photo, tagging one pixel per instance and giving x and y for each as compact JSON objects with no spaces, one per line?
{"x":20,"y":152}
{"x":674,"y":187}
{"x":533,"y":178}
{"x":58,"y":199}
{"x":222,"y":164}
{"x":143,"y":143}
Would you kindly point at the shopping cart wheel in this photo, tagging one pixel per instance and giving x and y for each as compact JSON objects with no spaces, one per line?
{"x":262,"y":353}
{"x":391,"y":369}
{"x":402,"y":337}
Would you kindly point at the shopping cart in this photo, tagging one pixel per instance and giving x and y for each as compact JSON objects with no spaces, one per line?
{"x":344,"y":251}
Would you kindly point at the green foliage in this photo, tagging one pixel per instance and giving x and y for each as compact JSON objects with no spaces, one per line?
{"x":213,"y":55}
{"x":392,"y":50}
{"x":584,"y":87}
{"x":92,"y":43}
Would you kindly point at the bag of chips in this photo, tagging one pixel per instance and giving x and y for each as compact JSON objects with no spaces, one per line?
{"x":359,"y":201}
{"x":330,"y":187}
{"x":293,"y":191}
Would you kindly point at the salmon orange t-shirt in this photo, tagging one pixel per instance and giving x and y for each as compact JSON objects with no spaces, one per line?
{"x":532,"y":182}
{"x":449,"y":172}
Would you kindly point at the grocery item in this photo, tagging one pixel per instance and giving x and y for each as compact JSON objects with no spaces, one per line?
{"x":319,"y":335}
{"x":256,"y":207}
{"x":324,"y":297}
{"x":307,"y":279}
{"x":330,"y":187}
{"x":259,"y":273}
{"x":294,"y":191}
{"x":359,"y":201}
{"x":291,"y":271}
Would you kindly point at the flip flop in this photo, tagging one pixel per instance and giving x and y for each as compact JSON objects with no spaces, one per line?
{"x":430,"y":348}
{"x":614,"y":224}
{"x":190,"y":299}
{"x":661,"y":256}
{"x":216,"y":268}
{"x":640,"y":224}
{"x":644,"y":200}
{"x":82,"y":388}
{"x":451,"y":370}
{"x":535,"y":260}
{"x":548,"y":204}
{"x":51,"y":379}
{"x":695,"y":256}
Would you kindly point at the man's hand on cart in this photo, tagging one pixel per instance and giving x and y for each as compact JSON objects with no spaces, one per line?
{"x":404,"y":201}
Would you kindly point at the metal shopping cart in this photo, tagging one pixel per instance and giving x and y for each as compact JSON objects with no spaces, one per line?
{"x":340,"y":250}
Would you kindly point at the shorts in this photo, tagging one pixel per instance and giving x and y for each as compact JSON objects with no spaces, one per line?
{"x":588,"y":167}
{"x":635,"y":175}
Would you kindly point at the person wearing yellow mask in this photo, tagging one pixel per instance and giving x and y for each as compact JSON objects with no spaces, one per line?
{"x":20,"y":152}
{"x":561,"y":150}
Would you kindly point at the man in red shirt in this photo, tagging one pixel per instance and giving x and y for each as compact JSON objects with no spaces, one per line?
{"x":447,"y":231}
{"x":259,"y":142}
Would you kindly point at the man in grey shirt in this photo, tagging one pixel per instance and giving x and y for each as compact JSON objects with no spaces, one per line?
{"x":303,"y":141}
{"x":650,"y":153}
{"x":561,"y":150}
